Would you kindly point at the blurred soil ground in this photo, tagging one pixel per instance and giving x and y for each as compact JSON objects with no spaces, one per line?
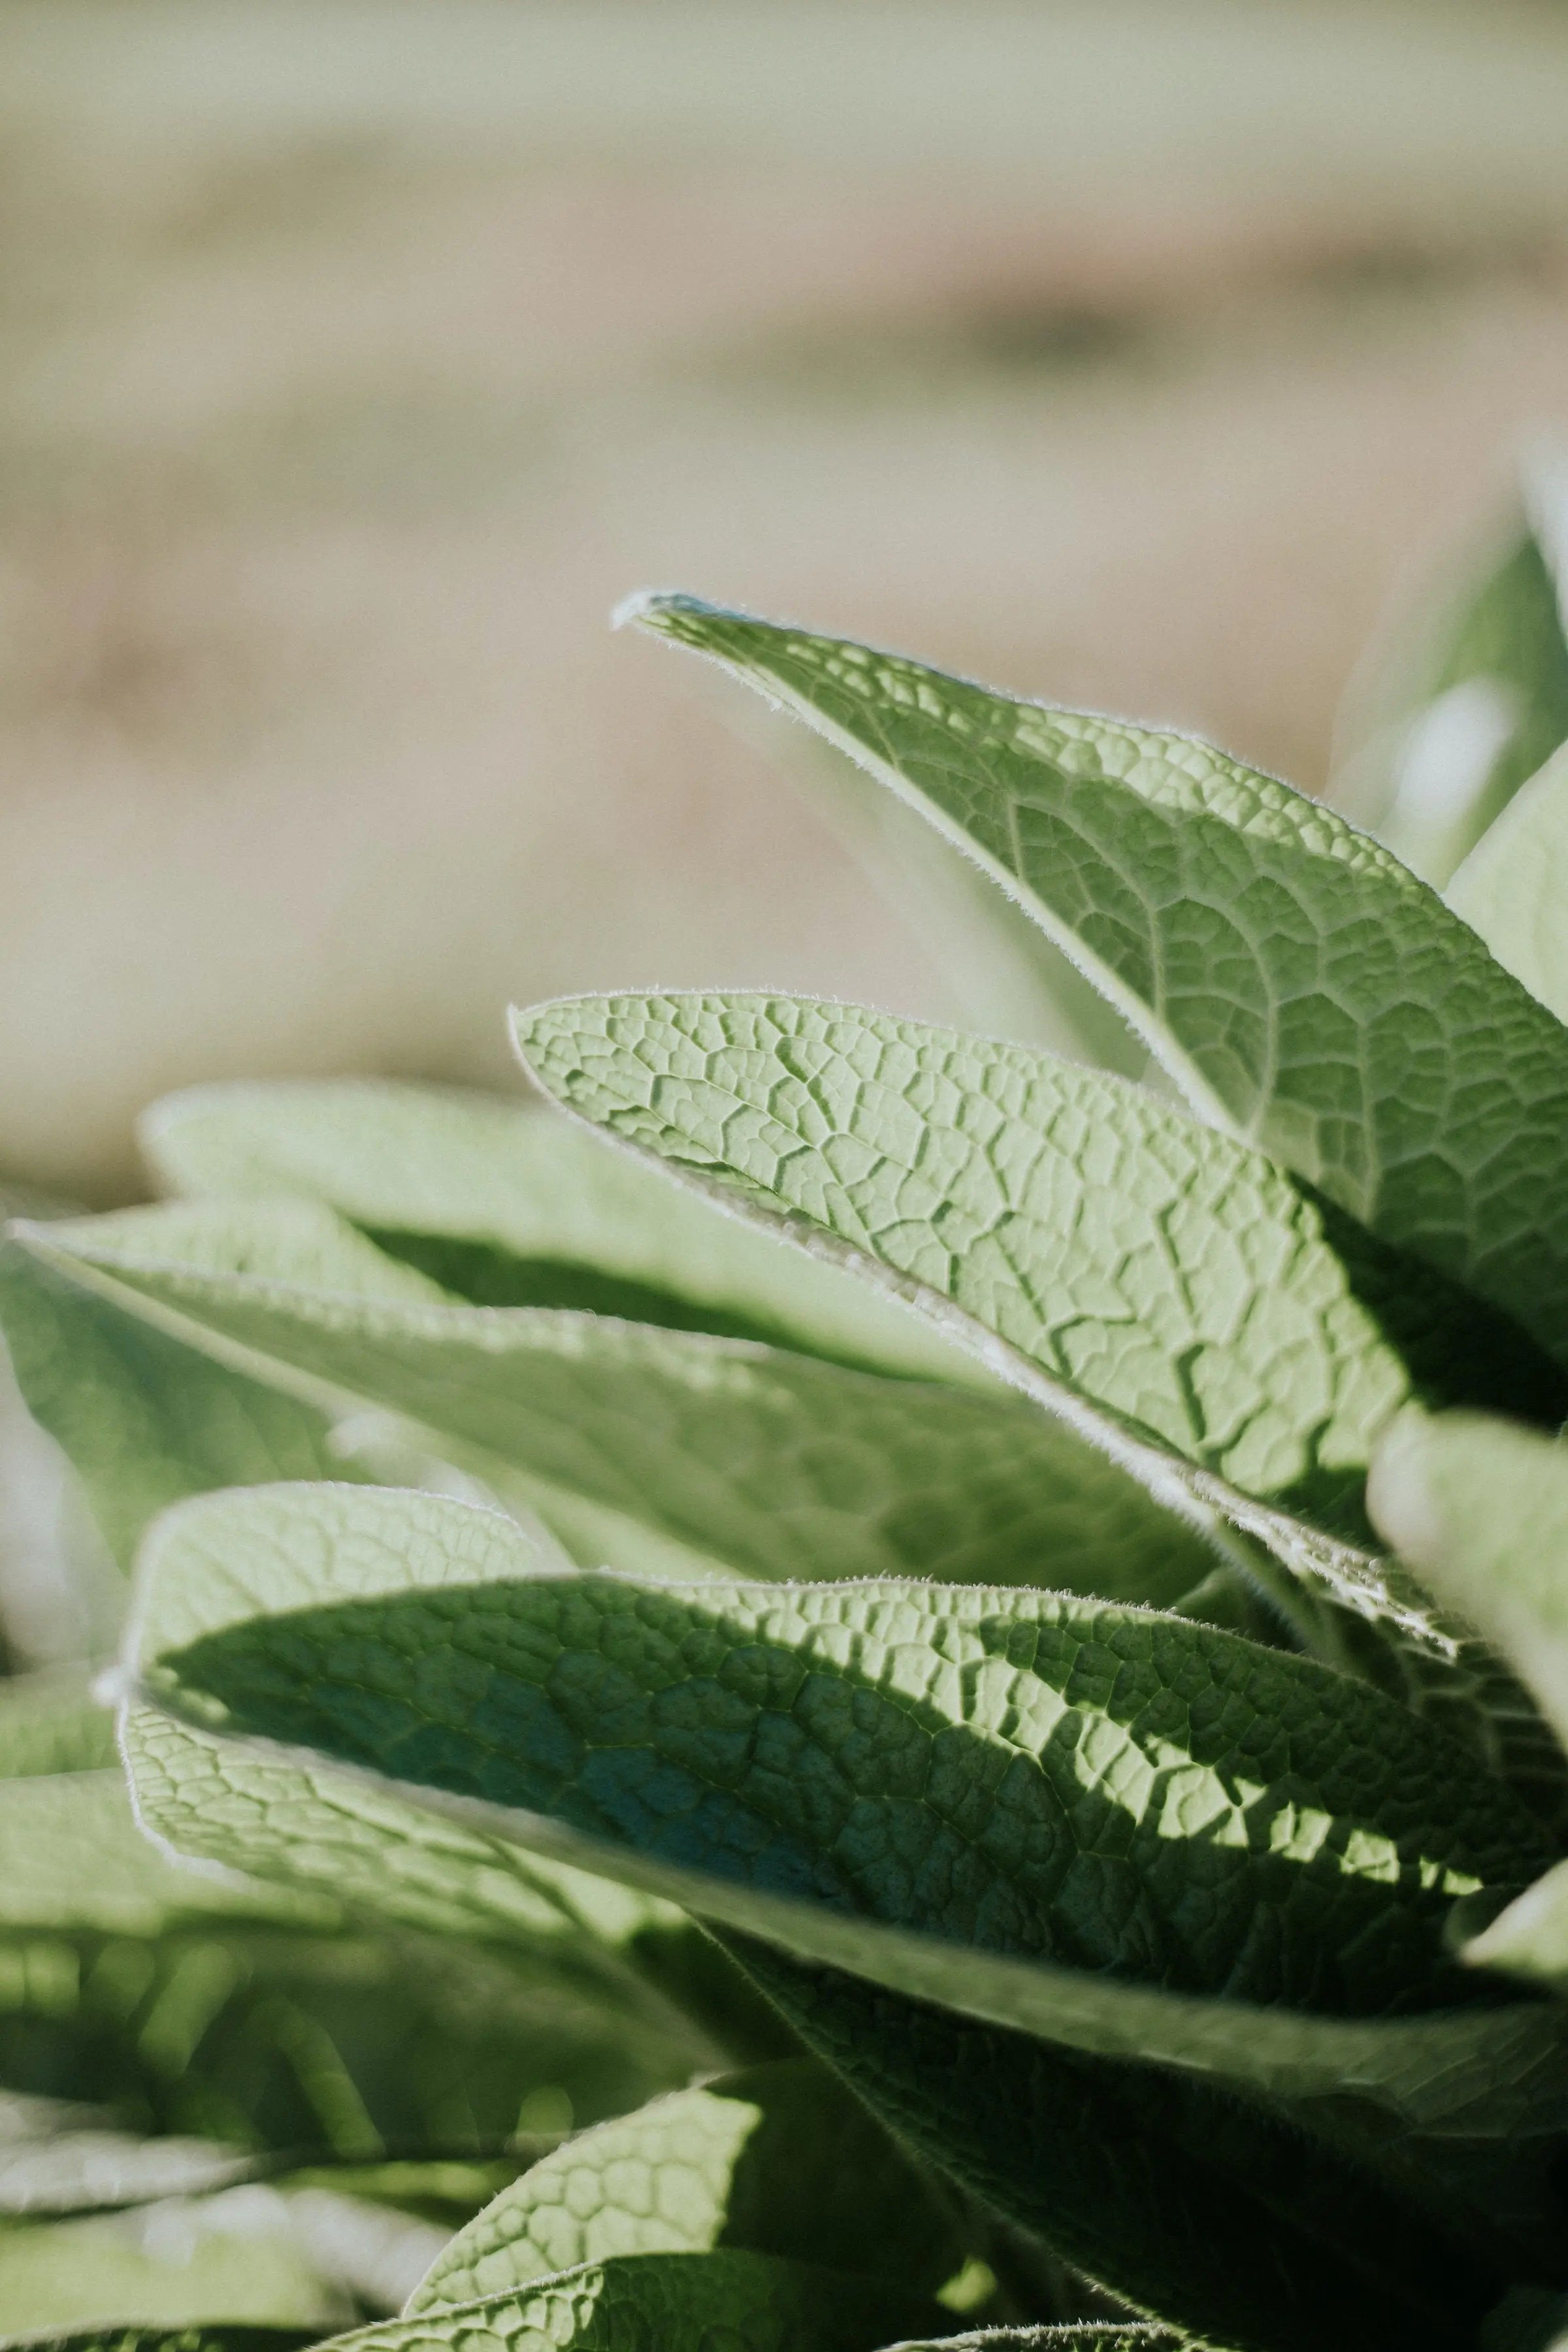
{"x":356,"y":359}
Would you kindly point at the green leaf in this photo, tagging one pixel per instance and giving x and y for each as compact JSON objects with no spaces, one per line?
{"x":1513,"y":886}
{"x":777,"y":2160}
{"x":1481,"y":1509}
{"x":198,"y":2003}
{"x":754,"y":1458}
{"x":508,"y":1209}
{"x":53,"y":2161}
{"x":1081,"y":1821}
{"x":141,"y":1420}
{"x":742,"y":2302}
{"x":1180,"y":1300}
{"x":1301,"y":986}
{"x":208,"y":2336}
{"x":570,"y":1753}
{"x":207,"y":2260}
{"x":1469,"y":706}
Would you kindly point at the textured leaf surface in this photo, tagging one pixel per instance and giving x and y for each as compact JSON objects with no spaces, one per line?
{"x":739,"y":2302}
{"x":1175,"y":1293}
{"x":1109,"y":1815}
{"x":1301,"y":985}
{"x":1090,"y":2339}
{"x":779,"y":2160}
{"x":143,"y":1420}
{"x":771,"y":1462}
{"x":1513,"y":886}
{"x":531,"y":1214}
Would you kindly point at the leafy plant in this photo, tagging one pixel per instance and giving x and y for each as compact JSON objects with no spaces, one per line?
{"x":899,"y":1691}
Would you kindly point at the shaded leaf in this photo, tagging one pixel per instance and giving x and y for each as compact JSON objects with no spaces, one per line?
{"x":745,"y":2302}
{"x":758,"y":1458}
{"x":508,"y":1209}
{"x":778,"y":2161}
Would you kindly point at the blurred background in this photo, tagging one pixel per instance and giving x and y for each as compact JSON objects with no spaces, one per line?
{"x":358,"y":355}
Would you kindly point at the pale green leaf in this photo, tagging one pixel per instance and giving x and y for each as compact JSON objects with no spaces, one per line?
{"x":1481,"y":1509}
{"x":1302,"y":987}
{"x":169,"y":2267}
{"x":777,"y":2160}
{"x":570,"y":1752}
{"x":771,"y":1462}
{"x":509,"y":1209}
{"x":53,"y":1721}
{"x":142,"y":1421}
{"x":736,"y":2301}
{"x":1468,"y":702}
{"x":1513,"y":886}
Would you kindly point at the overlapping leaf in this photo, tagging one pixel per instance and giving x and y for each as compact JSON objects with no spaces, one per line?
{"x":510,"y":1210}
{"x":770,"y":1462}
{"x":1479,"y":2068}
{"x":1051,"y":1815}
{"x":1234,"y":1343}
{"x":779,"y":2160}
{"x":1299,"y":984}
{"x":143,"y":1419}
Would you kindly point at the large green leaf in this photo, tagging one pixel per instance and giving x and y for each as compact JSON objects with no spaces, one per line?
{"x":772,"y":1463}
{"x":508,"y":1209}
{"x":1076,"y":1819}
{"x":1513,"y":886}
{"x":313,"y":1554}
{"x":1304,"y":989}
{"x":143,"y":1420}
{"x":778,"y":2161}
{"x":1231,"y":1341}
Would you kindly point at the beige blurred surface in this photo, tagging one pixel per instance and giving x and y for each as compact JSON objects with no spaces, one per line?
{"x":357,"y":359}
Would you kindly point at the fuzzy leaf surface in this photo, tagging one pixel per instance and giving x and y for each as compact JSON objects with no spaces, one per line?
{"x":1053,"y":1814}
{"x":1301,"y":986}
